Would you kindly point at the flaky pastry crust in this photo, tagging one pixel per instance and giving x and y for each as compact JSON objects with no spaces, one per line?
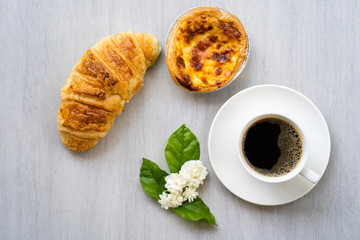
{"x":106,"y":77}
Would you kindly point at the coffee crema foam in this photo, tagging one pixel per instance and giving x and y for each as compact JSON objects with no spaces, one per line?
{"x":290,"y":144}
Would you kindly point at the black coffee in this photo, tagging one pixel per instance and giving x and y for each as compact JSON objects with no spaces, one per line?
{"x":272,"y":146}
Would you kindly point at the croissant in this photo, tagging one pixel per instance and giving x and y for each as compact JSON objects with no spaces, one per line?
{"x":107,"y":76}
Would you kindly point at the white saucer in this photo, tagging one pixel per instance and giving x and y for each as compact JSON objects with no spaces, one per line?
{"x":224,"y":136}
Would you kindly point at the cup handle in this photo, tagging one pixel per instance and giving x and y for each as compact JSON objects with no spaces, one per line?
{"x":310,"y":175}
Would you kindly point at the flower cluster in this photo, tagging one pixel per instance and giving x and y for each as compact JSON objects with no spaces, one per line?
{"x":182,"y":186}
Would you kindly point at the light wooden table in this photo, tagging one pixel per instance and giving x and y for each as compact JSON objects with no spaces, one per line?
{"x":48,"y":192}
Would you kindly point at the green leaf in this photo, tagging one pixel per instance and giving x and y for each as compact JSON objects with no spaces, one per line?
{"x":182,"y":146}
{"x":152,"y":178}
{"x":195,"y":211}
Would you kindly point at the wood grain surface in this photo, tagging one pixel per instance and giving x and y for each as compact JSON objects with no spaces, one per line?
{"x":48,"y":192}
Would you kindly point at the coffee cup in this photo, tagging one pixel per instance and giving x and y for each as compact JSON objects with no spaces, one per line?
{"x":273,"y":149}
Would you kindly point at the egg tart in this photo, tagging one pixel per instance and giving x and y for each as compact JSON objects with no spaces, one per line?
{"x":206,"y":48}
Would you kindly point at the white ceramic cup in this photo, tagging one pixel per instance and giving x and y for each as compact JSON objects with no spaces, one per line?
{"x":299,"y":168}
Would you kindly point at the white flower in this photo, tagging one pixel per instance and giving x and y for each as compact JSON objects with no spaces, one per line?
{"x":194,"y":182}
{"x":176,"y":199}
{"x":170,"y":200}
{"x":190,"y":194}
{"x":175,"y":182}
{"x":182,"y":186}
{"x":194,"y":172}
{"x":165,"y":201}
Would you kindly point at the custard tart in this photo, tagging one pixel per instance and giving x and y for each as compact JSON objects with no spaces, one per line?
{"x":206,"y":49}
